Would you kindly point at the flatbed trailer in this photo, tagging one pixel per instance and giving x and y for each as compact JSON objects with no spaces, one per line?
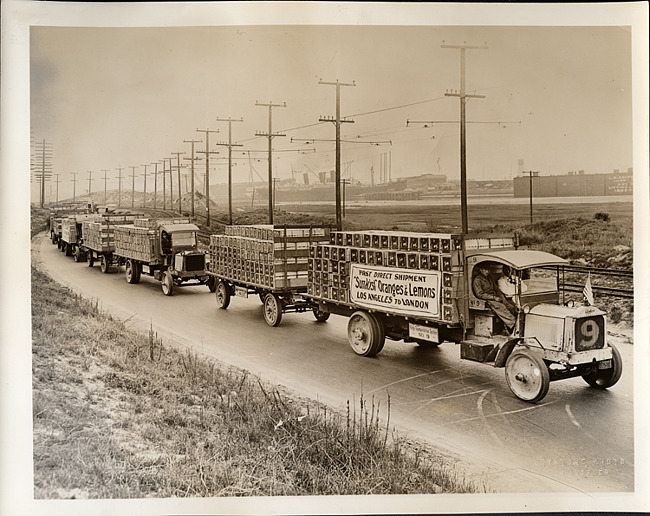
{"x":264,"y":260}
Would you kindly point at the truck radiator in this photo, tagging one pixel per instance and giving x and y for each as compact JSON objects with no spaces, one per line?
{"x":590,"y":333}
{"x":194,"y":262}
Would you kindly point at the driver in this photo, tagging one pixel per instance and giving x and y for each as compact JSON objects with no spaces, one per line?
{"x":486,"y":289}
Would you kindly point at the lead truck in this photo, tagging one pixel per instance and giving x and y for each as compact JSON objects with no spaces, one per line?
{"x":417,"y":287}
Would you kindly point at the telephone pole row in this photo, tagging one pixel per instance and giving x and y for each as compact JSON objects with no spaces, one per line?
{"x":192,"y":159}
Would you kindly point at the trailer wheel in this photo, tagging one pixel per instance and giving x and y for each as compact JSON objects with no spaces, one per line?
{"x":68,"y":249}
{"x":53,"y":237}
{"x":272,"y":310}
{"x":366,"y":334}
{"x":527,"y":376}
{"x":91,"y":259}
{"x":132,"y":275}
{"x":167,"y":283}
{"x":104,"y":264}
{"x":76,"y":255}
{"x":320,"y":315}
{"x":604,"y":378}
{"x":223,"y":295}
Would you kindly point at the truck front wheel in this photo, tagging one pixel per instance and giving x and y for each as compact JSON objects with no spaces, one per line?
{"x":366,"y":334}
{"x":167,"y":283}
{"x":527,"y":376}
{"x":605,"y":378}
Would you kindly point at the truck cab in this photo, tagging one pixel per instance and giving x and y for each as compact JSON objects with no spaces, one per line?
{"x":551,"y":339}
{"x":180,"y":254}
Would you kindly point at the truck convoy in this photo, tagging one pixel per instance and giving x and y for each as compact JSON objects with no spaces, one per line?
{"x":411,"y":287}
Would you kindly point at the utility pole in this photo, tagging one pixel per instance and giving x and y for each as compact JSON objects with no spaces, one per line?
{"x":337,"y":121}
{"x":90,"y":180}
{"x":133,"y":176}
{"x":230,"y":145}
{"x":74,"y":186}
{"x":105,"y":196}
{"x":531,"y":174}
{"x":144,"y":200}
{"x":270,"y":136}
{"x":192,"y":159}
{"x":343,"y":183}
{"x":119,"y":187}
{"x":463,"y":101}
{"x":164,"y":177}
{"x":180,"y":192}
{"x":171,"y":186}
{"x":57,"y":188}
{"x":41,"y":167}
{"x":207,"y":153}
{"x":155,"y":185}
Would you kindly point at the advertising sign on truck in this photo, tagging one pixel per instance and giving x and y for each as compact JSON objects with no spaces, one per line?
{"x":411,"y":293}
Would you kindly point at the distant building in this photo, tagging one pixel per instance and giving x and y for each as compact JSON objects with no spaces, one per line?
{"x":575,"y":185}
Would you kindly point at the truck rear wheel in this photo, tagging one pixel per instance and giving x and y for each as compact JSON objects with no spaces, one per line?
{"x":91,"y":258}
{"x":272,"y":310}
{"x":68,"y":249}
{"x":223,"y":295}
{"x":132,"y":272}
{"x":79,"y":255}
{"x":320,"y":315}
{"x":527,"y":376}
{"x":605,"y":378}
{"x":212,"y":284}
{"x":366,"y":334}
{"x":104,"y":264}
{"x":167,"y":283}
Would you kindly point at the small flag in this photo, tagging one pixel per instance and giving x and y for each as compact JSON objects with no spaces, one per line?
{"x":587,"y":292}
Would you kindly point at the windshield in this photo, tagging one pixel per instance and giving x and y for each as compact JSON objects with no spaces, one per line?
{"x":539,"y":280}
{"x":184,"y":239}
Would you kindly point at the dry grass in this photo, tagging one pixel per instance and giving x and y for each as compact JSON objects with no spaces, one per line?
{"x":121,"y":415}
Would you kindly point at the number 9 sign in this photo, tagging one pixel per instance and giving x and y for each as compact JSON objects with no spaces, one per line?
{"x":588,"y":334}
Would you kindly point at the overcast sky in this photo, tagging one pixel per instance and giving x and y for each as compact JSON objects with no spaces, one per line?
{"x":557,"y":97}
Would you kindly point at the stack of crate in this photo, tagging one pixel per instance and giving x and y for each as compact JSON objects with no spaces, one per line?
{"x":99,"y":235}
{"x":270,"y":257}
{"x":137,"y":243}
{"x":155,"y":223}
{"x":69,"y":230}
{"x":329,"y":265}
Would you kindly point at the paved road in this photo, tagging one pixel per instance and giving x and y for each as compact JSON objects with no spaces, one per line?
{"x":577,"y":439}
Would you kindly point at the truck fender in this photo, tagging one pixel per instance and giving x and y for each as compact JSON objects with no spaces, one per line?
{"x":505,"y":351}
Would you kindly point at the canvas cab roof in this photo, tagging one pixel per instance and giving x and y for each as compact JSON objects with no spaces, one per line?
{"x":519,"y":258}
{"x":174,"y":228}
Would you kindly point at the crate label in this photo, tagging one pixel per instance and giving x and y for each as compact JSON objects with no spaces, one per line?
{"x":241,"y":291}
{"x":418,"y":331}
{"x":408,"y":292}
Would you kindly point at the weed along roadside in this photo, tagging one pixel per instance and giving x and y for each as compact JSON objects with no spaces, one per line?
{"x":118,"y":414}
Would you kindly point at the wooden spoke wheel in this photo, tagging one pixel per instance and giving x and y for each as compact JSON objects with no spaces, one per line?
{"x":104,"y":264}
{"x":272,"y":310}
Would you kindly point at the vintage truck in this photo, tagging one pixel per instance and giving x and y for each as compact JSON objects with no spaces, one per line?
{"x":65,"y":210}
{"x":417,"y":287}
{"x":163,"y":248}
